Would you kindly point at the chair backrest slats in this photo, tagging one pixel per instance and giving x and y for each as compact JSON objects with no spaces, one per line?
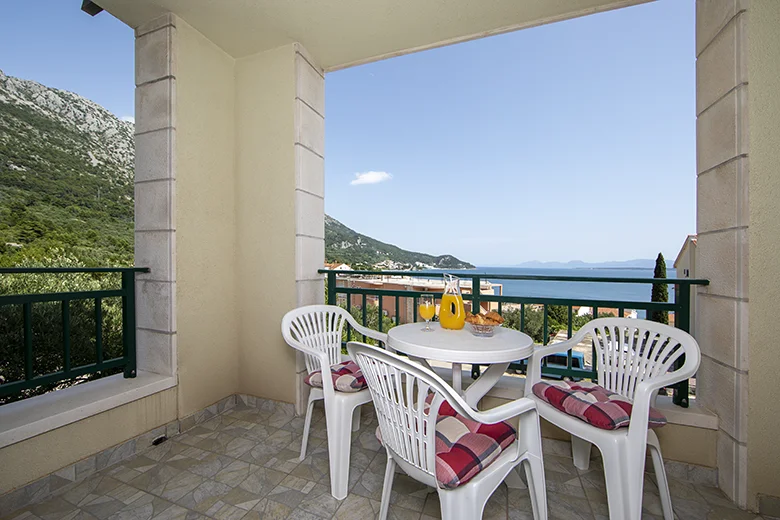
{"x":319,"y":328}
{"x":406,"y":398}
{"x":631,"y":351}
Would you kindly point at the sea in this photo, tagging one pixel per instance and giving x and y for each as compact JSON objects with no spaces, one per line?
{"x":572,"y":290}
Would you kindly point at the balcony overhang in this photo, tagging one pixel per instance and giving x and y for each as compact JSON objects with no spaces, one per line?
{"x":341,"y":33}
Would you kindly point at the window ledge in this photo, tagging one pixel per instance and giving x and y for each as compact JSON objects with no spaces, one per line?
{"x":36,"y":415}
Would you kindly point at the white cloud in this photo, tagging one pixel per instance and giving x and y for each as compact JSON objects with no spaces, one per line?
{"x":371,"y":178}
{"x":129,"y":119}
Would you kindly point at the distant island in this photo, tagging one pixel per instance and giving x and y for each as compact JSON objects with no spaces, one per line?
{"x":641,"y":263}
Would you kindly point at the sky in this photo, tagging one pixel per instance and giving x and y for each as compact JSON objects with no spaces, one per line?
{"x":53,"y":42}
{"x":569,"y":141}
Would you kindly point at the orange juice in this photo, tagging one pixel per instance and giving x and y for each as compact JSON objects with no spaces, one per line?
{"x":427,"y":311}
{"x":452,"y":314}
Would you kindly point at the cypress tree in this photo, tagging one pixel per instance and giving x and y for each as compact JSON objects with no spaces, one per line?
{"x":660,"y":291}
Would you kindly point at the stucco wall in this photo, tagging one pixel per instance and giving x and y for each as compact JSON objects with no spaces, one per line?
{"x":265,"y":220}
{"x":764,"y":113}
{"x":33,"y":458}
{"x":206,"y":311}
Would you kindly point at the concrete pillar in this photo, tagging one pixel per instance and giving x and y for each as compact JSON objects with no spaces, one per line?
{"x":763,"y":469}
{"x":280,"y":209}
{"x":155,"y":190}
{"x":722,"y":227}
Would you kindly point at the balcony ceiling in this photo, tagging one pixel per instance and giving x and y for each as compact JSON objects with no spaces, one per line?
{"x":340,"y":33}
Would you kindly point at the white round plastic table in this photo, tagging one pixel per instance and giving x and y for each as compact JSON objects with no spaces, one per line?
{"x":461,"y":346}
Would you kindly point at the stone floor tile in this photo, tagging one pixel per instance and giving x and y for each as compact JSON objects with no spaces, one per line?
{"x":565,"y":484}
{"x":102,"y":506}
{"x":211,"y":465}
{"x":314,"y":467}
{"x":52,"y":509}
{"x":285,"y":461}
{"x":155,"y":480}
{"x":223,"y":511}
{"x":179,"y":485}
{"x":369,"y":485}
{"x":497,"y":505}
{"x":568,"y":507}
{"x":686,"y":509}
{"x":366,"y":438}
{"x":432,"y":507}
{"x":357,"y":507}
{"x":144,"y":507}
{"x":262,"y":481}
{"x":203,"y":497}
{"x":408,"y":493}
{"x":271,"y":510}
{"x":728,"y":513}
{"x":235,"y":472}
{"x":319,"y":502}
{"x":399,"y":513}
{"x":93,"y":487}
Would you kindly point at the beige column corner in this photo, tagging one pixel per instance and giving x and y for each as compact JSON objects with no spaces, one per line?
{"x":155,"y":194}
{"x":309,"y":193}
{"x":722,"y":250}
{"x":266,"y":219}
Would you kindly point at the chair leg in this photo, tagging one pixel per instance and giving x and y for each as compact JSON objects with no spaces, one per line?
{"x":306,"y":428}
{"x":339,"y":422}
{"x":462,"y":504}
{"x":660,"y":475}
{"x":537,"y":489}
{"x":387,"y":488}
{"x":356,"y":419}
{"x":624,"y":483}
{"x":580,"y":451}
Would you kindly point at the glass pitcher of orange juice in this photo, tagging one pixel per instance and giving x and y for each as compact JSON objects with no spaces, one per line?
{"x":452,"y":314}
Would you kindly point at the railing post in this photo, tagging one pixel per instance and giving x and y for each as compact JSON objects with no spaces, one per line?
{"x":682,"y":320}
{"x":332,"y":288}
{"x":476,"y":287}
{"x":128,"y":321}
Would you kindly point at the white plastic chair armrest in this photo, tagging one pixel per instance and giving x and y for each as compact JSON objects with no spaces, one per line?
{"x":327,"y":382}
{"x":533,"y":373}
{"x":371,"y":333}
{"x":504,"y":412}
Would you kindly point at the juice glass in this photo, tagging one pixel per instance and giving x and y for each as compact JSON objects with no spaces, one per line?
{"x":427,"y":310}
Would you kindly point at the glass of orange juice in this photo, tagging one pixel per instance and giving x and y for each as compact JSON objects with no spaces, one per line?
{"x":427,"y":309}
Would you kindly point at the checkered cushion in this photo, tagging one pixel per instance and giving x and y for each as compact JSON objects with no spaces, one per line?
{"x":347,"y":377}
{"x":464,"y":447}
{"x":593,"y":404}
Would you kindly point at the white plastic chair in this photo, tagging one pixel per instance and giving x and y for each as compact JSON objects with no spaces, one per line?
{"x":316,"y":331}
{"x":401,"y":390}
{"x":635,"y":359}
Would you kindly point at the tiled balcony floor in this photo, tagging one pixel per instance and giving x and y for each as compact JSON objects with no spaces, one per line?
{"x":243,"y":465}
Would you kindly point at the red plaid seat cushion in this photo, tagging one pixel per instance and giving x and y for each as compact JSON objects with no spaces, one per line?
{"x":593,"y":404}
{"x":347,"y":377}
{"x":464,"y":447}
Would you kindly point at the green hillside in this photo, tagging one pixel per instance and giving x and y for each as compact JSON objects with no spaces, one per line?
{"x":66,"y":186}
{"x":342,"y":244}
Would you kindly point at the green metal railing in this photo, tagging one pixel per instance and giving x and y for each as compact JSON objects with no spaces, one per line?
{"x":70,"y":369}
{"x":681,"y":307}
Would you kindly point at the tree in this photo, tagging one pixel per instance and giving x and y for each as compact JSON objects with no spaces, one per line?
{"x":660,"y":291}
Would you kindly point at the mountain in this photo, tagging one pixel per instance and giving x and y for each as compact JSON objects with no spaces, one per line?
{"x":342,"y":244}
{"x":66,"y":177}
{"x":640,"y":263}
{"x":66,"y":187}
